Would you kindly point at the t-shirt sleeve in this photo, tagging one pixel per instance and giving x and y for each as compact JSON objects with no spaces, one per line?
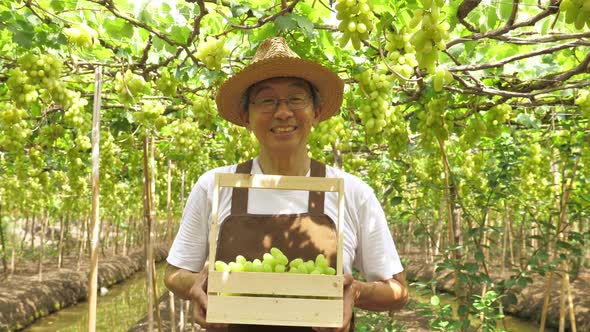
{"x":376,"y":256}
{"x":190,"y":248}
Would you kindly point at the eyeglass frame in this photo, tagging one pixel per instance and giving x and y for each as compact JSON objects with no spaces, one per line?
{"x":263,"y":105}
{"x":315,"y":96}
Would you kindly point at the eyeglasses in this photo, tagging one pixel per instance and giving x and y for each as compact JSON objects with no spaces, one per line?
{"x":270,"y":104}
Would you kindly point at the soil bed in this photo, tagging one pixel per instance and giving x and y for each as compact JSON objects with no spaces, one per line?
{"x":23,"y":298}
{"x":530,"y":300}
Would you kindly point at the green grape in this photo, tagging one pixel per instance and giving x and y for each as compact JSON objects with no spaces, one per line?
{"x":221,"y":266}
{"x":81,"y":35}
{"x":583,"y":101}
{"x":129,"y":86}
{"x":429,"y":37}
{"x":236,"y":267}
{"x":211,"y":52}
{"x":166,"y":83}
{"x":356,"y":18}
{"x":241,"y":259}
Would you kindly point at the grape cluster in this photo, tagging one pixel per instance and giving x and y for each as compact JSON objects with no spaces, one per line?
{"x":75,"y":116}
{"x":433,"y":122}
{"x":583,"y":101}
{"x":327,"y":132}
{"x":186,"y":136}
{"x":150,"y":115}
{"x":203,"y":110}
{"x":356,"y":21}
{"x":14,"y":128}
{"x":401,"y":52}
{"x":129,"y":86}
{"x":212,"y":52}
{"x":34,"y":75}
{"x":166,"y":83}
{"x":81,"y":35}
{"x":376,"y":87}
{"x":276,"y":261}
{"x":441,"y":77}
{"x":577,"y":12}
{"x":430,"y":37}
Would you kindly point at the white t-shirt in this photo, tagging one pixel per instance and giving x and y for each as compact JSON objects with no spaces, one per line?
{"x":367,"y":244}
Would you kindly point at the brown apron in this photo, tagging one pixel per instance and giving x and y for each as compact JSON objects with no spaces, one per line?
{"x":302,"y":235}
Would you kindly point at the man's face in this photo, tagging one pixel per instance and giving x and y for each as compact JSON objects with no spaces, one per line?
{"x":281,"y":128}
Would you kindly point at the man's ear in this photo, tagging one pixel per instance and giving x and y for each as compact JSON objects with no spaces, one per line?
{"x":316,"y":115}
{"x":245,"y":118}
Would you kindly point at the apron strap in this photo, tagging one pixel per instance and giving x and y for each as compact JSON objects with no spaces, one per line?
{"x":239,"y":202}
{"x":316,"y":198}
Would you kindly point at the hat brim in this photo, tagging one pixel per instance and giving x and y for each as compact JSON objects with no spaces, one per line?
{"x":329,"y":84}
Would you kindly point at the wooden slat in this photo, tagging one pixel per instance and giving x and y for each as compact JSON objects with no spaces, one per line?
{"x":275,"y":311}
{"x":275,"y":284}
{"x":263,"y":181}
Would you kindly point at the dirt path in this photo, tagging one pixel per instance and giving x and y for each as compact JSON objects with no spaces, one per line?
{"x":23,"y":298}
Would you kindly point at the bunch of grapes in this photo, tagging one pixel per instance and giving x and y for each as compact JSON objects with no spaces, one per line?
{"x":577,"y":12}
{"x":396,"y":132}
{"x":534,"y":164}
{"x":276,"y":261}
{"x":81,"y":35}
{"x":433,"y":122}
{"x":186,"y":136}
{"x":376,"y":87}
{"x":583,"y":101}
{"x":430,"y":37}
{"x":203,"y":110}
{"x":356,"y":21}
{"x":441,"y":77}
{"x":75,"y":116}
{"x":212,"y":52}
{"x":129,"y":86}
{"x":14,"y":128}
{"x":495,"y":117}
{"x":20,"y":89}
{"x":33,"y":74}
{"x":167,"y":84}
{"x":327,"y":132}
{"x":401,"y":52}
{"x":475,"y":129}
{"x":150,"y":115}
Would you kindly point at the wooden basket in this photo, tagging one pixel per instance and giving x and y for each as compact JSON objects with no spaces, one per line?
{"x":275,"y":298}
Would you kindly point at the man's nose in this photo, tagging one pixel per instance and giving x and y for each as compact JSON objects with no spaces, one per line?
{"x":283,"y":109}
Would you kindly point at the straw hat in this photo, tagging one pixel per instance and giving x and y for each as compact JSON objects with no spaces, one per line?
{"x":274,"y":58}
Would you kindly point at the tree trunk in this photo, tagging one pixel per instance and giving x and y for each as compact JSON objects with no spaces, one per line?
{"x":169,"y":203}
{"x":33,"y":233}
{"x":60,"y":245}
{"x":148,"y":231}
{"x":116,"y":246}
{"x":44,"y":221}
{"x":337,"y":154}
{"x":2,"y":242}
{"x":82,"y":242}
{"x":14,"y":242}
{"x":26,"y":229}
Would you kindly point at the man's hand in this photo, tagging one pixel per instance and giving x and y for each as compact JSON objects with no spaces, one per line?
{"x":198,"y":297}
{"x":350,"y":296}
{"x":193,"y":287}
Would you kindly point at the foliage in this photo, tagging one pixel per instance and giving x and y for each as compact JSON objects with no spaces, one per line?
{"x":491,"y":100}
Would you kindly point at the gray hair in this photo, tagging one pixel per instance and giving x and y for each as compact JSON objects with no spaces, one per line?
{"x":315,"y":95}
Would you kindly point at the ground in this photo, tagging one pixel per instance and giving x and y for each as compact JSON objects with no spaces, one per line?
{"x":23,"y":298}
